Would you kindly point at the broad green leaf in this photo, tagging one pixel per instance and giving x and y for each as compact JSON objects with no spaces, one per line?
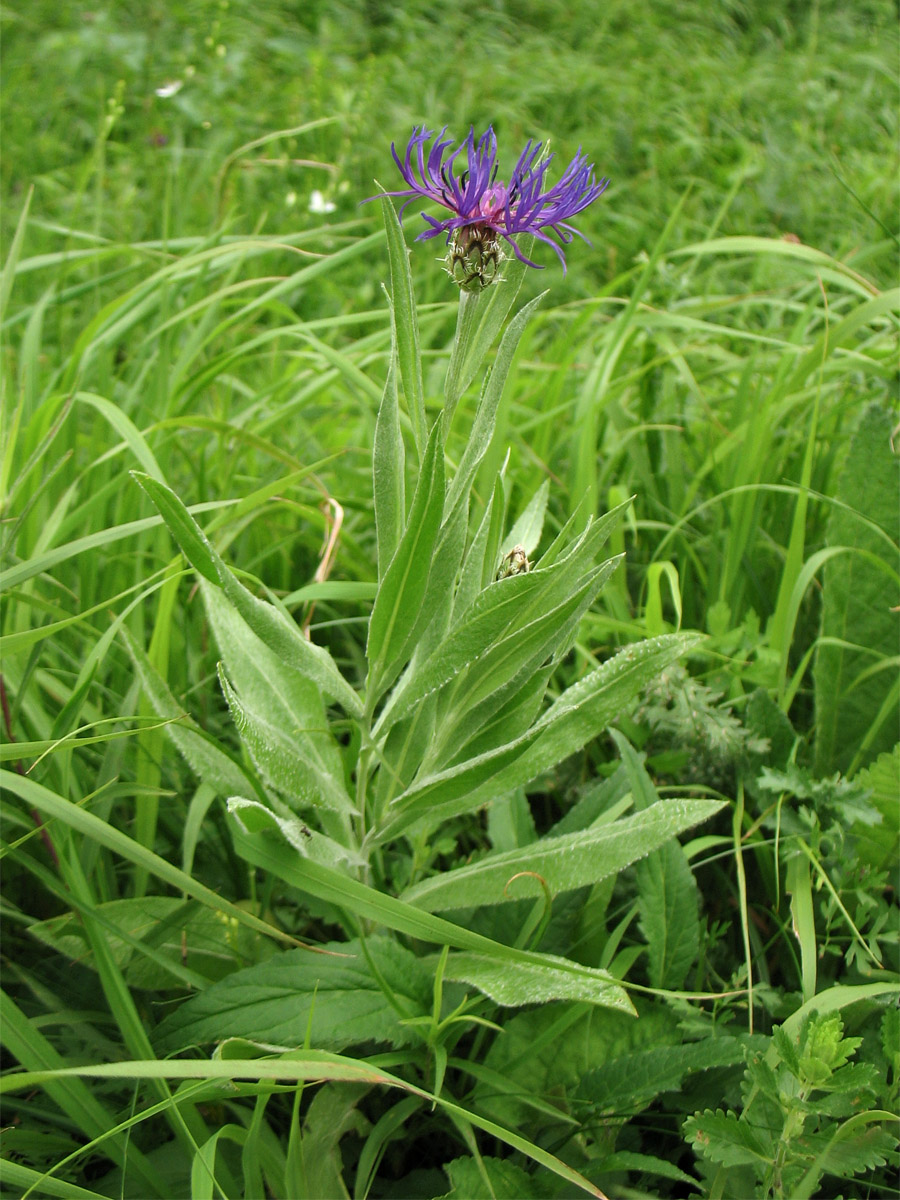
{"x":405,"y":324}
{"x":628,"y":1083}
{"x":856,"y":605}
{"x":879,"y":845}
{"x":669,"y":906}
{"x":515,"y":984}
{"x":723,"y":1138}
{"x":92,"y":828}
{"x":580,"y":713}
{"x":269,"y":623}
{"x":336,"y":996}
{"x":570,"y":861}
{"x":547,"y":1051}
{"x":499,"y":1178}
{"x":400,"y":593}
{"x":286,"y":756}
{"x":332,"y":1113}
{"x":270,"y":854}
{"x":182,"y":931}
{"x":279,"y":713}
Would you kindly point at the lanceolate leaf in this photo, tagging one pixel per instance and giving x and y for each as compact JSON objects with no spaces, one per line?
{"x":279,"y":712}
{"x":400,"y":594}
{"x":562,"y":863}
{"x":405,"y":324}
{"x":580,"y":713}
{"x":202,"y":753}
{"x":269,"y":624}
{"x":479,"y":438}
{"x":514,"y":984}
{"x":388,"y":474}
{"x":271,"y":854}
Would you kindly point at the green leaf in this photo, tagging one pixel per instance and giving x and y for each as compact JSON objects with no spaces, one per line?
{"x":879,"y":845}
{"x":269,"y":623}
{"x":856,"y":605}
{"x":270,"y":854}
{"x":492,"y":1179}
{"x":183,"y":932}
{"x":400,"y":594}
{"x":627,"y":1083}
{"x":527,"y":530}
{"x":669,"y":905}
{"x":563,"y":863}
{"x":279,"y":713}
{"x":668,"y":900}
{"x":580,"y":713}
{"x":481,"y":317}
{"x":479,"y":437}
{"x":405,"y":324}
{"x":211,"y":764}
{"x":388,"y":474}
{"x":332,"y":1113}
{"x":722,"y":1138}
{"x":515,"y":984}
{"x":334,"y":995}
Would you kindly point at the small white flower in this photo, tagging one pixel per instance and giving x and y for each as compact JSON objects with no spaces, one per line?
{"x":318,"y":203}
{"x":171,"y":88}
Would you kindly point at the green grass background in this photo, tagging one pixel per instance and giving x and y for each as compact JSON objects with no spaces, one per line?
{"x":173,"y":304}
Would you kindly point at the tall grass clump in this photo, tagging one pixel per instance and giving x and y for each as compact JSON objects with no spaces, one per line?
{"x":449,"y":736}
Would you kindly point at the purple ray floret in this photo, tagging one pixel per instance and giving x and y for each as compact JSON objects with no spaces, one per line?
{"x":464,"y":180}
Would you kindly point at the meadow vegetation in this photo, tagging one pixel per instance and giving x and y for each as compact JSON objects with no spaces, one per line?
{"x":338,"y":861}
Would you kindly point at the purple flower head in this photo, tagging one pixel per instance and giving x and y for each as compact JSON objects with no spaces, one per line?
{"x":464,"y":181}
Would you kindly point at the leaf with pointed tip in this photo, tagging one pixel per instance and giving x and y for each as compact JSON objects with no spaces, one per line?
{"x":562,"y":863}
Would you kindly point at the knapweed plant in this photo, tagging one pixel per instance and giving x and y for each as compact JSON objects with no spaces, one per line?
{"x":351,"y":792}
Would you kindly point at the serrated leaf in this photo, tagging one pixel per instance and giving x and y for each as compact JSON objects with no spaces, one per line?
{"x":627,"y":1083}
{"x":563,"y":863}
{"x":515,"y":984}
{"x":670,"y":918}
{"x":879,"y":845}
{"x":723,"y":1138}
{"x":335,"y":995}
{"x":497,"y":1178}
